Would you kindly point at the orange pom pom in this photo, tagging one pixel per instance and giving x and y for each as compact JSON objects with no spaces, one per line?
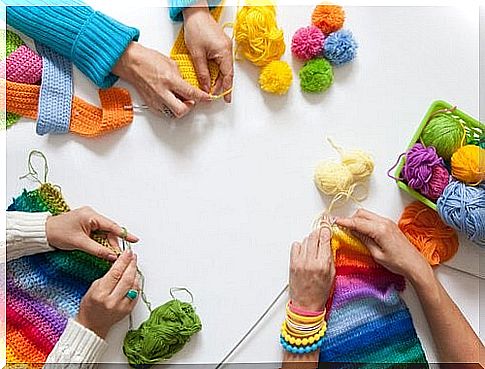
{"x":329,"y":18}
{"x":426,"y":231}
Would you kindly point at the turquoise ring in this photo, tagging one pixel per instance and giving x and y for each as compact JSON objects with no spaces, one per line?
{"x":132,"y":294}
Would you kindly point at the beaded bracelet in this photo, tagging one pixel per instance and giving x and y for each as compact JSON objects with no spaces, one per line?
{"x":301,"y":350}
{"x":302,"y":341}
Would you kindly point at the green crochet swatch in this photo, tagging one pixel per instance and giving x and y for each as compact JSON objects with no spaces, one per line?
{"x":12,"y":43}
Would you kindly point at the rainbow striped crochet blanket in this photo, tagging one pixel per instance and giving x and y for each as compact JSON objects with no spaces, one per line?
{"x":44,"y":290}
{"x":369,"y":325}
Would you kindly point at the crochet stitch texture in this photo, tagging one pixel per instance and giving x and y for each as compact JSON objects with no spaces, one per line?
{"x":44,"y":290}
{"x":368,"y":322}
{"x":56,"y":92}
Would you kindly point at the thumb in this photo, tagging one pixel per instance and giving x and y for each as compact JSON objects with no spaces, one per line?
{"x":188,"y":92}
{"x":94,"y":248}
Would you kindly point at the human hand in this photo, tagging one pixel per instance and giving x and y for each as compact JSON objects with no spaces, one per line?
{"x":106,"y":302}
{"x":206,"y":41}
{"x":157,"y":79}
{"x":72,"y":231}
{"x":312,"y":270}
{"x":387,"y":244}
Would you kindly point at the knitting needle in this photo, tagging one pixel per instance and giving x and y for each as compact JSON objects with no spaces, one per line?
{"x":464,"y":271}
{"x":253,"y":327}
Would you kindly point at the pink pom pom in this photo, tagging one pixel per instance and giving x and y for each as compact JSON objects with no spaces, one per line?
{"x":307,"y":43}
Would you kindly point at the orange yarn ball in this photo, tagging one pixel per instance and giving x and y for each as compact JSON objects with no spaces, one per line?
{"x":468,"y":164}
{"x":329,"y":18}
{"x":426,"y":231}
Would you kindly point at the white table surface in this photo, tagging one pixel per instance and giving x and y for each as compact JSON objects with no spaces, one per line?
{"x":218,"y":197}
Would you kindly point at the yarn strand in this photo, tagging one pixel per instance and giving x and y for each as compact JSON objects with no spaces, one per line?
{"x":32,"y":172}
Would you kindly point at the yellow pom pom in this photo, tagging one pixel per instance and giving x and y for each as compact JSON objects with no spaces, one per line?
{"x":257,"y":34}
{"x":333,"y":178}
{"x":276,"y":77}
{"x":359,"y":163}
{"x":468,"y":164}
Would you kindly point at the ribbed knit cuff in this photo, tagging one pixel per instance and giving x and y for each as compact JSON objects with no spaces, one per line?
{"x":178,"y":6}
{"x":26,"y":234}
{"x":99,"y":45}
{"x":77,"y":345}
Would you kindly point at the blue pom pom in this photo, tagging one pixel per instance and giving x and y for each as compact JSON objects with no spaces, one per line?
{"x":340,"y":47}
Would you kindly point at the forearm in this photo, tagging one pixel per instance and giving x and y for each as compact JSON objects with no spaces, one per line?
{"x":455,"y":340}
{"x":308,"y":361}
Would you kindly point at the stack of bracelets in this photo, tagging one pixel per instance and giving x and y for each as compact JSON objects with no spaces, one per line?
{"x":302,"y":332}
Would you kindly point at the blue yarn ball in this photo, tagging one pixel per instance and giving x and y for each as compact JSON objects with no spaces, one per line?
{"x":340,"y":47}
{"x":463,"y":207}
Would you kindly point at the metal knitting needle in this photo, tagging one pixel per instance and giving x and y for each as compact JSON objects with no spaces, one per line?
{"x":463,"y":271}
{"x":223,"y":361}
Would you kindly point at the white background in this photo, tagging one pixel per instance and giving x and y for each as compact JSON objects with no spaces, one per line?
{"x":218,"y":197}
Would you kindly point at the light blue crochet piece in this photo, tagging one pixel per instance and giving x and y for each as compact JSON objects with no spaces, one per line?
{"x":56,"y":90}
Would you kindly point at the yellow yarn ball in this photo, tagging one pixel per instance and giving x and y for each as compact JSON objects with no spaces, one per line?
{"x":257,"y":34}
{"x":468,"y":164}
{"x":359,"y":163}
{"x":276,"y":77}
{"x":333,"y":178}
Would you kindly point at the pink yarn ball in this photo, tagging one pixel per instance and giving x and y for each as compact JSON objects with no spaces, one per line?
{"x":439,"y":180}
{"x":307,"y":43}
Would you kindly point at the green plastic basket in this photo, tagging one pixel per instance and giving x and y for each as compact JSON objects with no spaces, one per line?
{"x":475,"y":130}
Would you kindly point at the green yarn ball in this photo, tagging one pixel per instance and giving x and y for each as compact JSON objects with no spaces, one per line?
{"x":445,"y":132}
{"x":316,"y":75}
{"x":165,"y":333}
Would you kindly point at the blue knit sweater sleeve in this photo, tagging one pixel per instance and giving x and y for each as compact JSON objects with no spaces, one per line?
{"x":177,"y":6}
{"x":91,"y":40}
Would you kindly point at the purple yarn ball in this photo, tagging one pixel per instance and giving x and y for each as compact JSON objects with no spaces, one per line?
{"x":307,"y":43}
{"x":424,"y":171}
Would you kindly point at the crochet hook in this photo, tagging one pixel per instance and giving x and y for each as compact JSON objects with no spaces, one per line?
{"x":253,"y":327}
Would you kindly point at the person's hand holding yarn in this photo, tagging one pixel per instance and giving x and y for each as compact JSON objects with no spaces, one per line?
{"x":312,"y":270}
{"x":387,"y":244}
{"x":158,"y":81}
{"x":112,"y":297}
{"x":72,"y":231}
{"x":206,"y":41}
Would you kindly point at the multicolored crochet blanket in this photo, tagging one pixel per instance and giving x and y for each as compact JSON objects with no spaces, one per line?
{"x":369,"y":325}
{"x":44,"y":290}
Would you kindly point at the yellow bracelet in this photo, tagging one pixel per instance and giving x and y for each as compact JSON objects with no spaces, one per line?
{"x":301,"y":333}
{"x":305,"y":327}
{"x":297,"y":341}
{"x":303,"y":319}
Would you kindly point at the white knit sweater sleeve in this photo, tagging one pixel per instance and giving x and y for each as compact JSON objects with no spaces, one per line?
{"x":25,"y":235}
{"x":77,"y":348}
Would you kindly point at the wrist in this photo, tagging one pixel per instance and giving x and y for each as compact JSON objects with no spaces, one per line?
{"x":308,"y":305}
{"x":125,"y":66}
{"x":422,"y":278}
{"x":99,"y":330}
{"x":198,"y":8}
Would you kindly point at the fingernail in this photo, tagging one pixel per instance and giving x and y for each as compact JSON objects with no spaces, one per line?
{"x":129,"y":252}
{"x":190,"y":102}
{"x":112,"y":257}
